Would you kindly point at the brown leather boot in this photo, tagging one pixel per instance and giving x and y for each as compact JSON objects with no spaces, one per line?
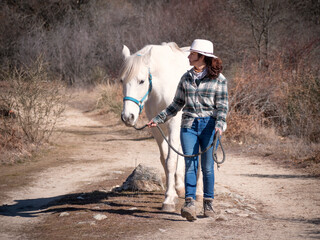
{"x":208,"y":208}
{"x":188,"y":211}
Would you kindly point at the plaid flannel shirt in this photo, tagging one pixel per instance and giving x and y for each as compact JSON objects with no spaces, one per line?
{"x":210,"y":98}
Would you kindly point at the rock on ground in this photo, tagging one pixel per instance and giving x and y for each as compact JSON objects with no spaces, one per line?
{"x":143,"y":178}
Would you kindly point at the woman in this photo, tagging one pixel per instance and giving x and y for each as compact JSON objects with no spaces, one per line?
{"x":202,"y":93}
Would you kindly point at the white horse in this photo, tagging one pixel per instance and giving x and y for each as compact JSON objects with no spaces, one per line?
{"x":150,"y":77}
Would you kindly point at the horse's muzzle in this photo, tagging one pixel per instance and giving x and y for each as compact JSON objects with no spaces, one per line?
{"x":128,"y":120}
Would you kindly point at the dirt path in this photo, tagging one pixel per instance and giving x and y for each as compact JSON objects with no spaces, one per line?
{"x":255,"y":198}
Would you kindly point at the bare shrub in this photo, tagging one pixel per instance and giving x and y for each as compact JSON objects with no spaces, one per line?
{"x":276,"y":112}
{"x":250,"y":102}
{"x":242,"y":128}
{"x":284,"y":98}
{"x":10,"y":136}
{"x":37,"y":103}
{"x":303,"y":106}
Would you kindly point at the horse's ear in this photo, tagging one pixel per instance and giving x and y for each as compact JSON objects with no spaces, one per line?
{"x":148,"y":56}
{"x":125,"y":51}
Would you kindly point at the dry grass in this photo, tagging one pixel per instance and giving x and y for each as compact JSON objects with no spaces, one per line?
{"x":110,"y":98}
{"x":291,"y":151}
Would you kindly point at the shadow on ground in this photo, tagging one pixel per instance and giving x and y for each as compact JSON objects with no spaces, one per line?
{"x":138,"y":204}
{"x":282,"y":176}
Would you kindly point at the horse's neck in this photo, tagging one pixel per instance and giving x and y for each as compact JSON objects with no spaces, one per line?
{"x":167,"y":78}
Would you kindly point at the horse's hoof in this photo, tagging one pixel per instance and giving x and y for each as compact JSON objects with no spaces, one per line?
{"x":168,"y":207}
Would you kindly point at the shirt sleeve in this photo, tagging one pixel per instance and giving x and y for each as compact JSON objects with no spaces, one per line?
{"x":222,"y":103}
{"x":176,"y":105}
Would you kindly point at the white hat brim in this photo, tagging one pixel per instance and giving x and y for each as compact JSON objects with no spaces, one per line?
{"x":203,"y":53}
{"x":208,"y":55}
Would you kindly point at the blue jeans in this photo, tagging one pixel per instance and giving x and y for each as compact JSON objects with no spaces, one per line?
{"x":200,"y":134}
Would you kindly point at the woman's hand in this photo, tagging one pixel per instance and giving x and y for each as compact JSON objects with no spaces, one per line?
{"x":152,"y":124}
{"x":219,"y":130}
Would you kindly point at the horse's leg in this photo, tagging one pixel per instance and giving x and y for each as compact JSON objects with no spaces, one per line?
{"x":174,"y":130}
{"x":169,"y":161}
{"x":162,"y":145}
{"x":163,"y":148}
{"x":180,"y":173}
{"x":171,"y":195}
{"x":199,"y":193}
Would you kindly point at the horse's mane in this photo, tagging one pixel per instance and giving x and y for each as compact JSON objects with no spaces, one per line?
{"x":172,"y":45}
{"x":133,"y":63}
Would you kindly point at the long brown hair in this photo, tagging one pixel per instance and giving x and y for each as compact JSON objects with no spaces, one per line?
{"x":214,"y":66}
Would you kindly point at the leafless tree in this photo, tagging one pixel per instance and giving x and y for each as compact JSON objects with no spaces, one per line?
{"x":261,"y":16}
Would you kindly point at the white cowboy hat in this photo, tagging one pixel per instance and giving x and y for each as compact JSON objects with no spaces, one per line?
{"x":204,"y":47}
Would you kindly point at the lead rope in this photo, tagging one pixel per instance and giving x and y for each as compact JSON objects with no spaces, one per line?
{"x":214,"y":143}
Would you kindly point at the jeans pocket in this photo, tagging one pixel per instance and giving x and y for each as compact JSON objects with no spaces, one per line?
{"x":209,"y":122}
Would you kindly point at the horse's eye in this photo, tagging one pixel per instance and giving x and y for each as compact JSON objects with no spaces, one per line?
{"x":141,"y":82}
{"x":121,"y":80}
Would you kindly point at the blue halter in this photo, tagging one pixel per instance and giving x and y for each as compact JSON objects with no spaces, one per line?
{"x":141,"y":102}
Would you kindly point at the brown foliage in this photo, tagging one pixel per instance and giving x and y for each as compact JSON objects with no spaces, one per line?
{"x":286,"y":99}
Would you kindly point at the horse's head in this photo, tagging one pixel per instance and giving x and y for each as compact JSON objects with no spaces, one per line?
{"x":136,"y":80}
